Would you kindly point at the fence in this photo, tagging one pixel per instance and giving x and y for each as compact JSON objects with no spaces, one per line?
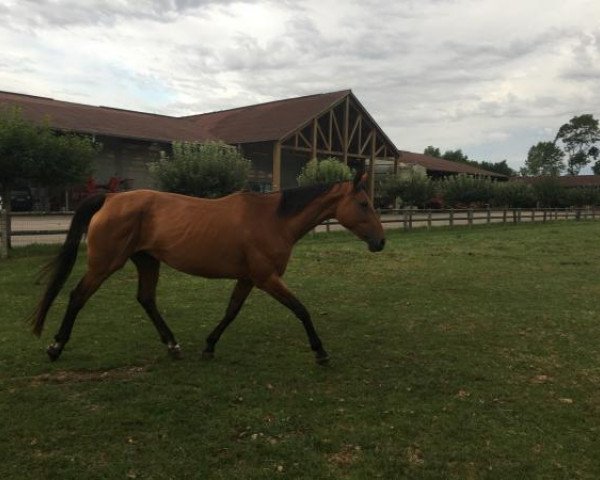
{"x":33,"y":227}
{"x":28,"y":228}
{"x":408,"y":219}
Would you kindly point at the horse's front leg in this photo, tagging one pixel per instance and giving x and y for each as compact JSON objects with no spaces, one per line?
{"x":275,"y":287}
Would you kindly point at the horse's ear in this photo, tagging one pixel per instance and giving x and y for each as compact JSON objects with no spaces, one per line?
{"x":360,"y":180}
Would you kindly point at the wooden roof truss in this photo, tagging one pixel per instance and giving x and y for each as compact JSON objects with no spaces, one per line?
{"x":345,"y":131}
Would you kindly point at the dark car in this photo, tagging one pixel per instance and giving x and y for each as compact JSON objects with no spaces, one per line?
{"x":20,"y":199}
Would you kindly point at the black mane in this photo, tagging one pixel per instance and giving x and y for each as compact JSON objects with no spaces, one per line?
{"x":294,"y":200}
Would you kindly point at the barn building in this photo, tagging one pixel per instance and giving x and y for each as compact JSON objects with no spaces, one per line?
{"x":279,"y":137}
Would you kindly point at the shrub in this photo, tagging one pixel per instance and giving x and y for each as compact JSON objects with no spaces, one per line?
{"x":208,"y":170}
{"x":410,"y":186}
{"x":328,"y":170}
{"x":513,"y":195}
{"x":549,"y":193}
{"x":463,"y":190}
{"x":582,"y":196}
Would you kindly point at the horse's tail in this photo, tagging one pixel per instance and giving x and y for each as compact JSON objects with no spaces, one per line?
{"x":59,"y":269}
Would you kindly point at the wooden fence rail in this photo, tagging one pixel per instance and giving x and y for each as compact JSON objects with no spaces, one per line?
{"x":52,"y":228}
{"x":408,"y":219}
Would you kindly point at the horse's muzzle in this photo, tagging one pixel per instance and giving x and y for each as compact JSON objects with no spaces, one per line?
{"x":376,"y":245}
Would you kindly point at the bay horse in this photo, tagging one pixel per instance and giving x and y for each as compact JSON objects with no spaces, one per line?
{"x":244,"y":236}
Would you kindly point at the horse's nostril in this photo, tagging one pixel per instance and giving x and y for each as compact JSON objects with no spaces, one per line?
{"x":382,"y":243}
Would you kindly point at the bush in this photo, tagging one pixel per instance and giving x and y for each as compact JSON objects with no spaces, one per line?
{"x":208,"y":170}
{"x":410,"y":186}
{"x":549,"y":193}
{"x":582,"y":196}
{"x":514,"y":195}
{"x":328,"y":170}
{"x":466,"y":191}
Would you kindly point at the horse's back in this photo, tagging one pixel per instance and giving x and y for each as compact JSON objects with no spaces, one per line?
{"x":199,"y":236}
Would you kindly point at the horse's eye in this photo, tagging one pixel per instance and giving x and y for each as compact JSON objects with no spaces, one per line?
{"x":364,"y":204}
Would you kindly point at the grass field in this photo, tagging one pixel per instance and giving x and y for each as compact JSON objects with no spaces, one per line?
{"x":455,"y":354}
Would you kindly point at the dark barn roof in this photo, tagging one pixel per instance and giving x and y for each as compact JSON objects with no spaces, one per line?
{"x":266,"y":121}
{"x":256,"y":123}
{"x":80,"y":118}
{"x":434,"y":164}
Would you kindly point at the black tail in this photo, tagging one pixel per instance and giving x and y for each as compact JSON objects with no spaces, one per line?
{"x":59,"y":269}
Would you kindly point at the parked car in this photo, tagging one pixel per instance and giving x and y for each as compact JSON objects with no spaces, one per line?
{"x":21,"y":200}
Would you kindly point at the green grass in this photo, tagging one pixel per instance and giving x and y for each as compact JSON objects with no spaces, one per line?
{"x":455,"y":354}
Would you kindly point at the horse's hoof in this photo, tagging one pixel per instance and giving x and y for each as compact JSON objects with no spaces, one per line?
{"x":323,"y":359}
{"x":206,"y":355}
{"x":53,"y":352}
{"x":175,"y":352}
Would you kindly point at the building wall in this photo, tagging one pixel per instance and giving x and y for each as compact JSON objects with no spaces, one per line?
{"x":128,"y":161}
{"x":261,"y":156}
{"x":291,"y":165}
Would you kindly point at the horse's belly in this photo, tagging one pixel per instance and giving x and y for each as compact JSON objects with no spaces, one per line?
{"x":210,"y":263}
{"x":207,"y":269}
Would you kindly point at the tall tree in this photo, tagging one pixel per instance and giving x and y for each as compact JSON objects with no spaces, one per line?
{"x":579,"y":138}
{"x":596,"y":166}
{"x":545,"y":158}
{"x":35,"y":154}
{"x":456,"y":156}
{"x":498,"y":167}
{"x":433,"y":151}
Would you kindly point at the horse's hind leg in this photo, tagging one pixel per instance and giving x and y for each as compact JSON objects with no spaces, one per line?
{"x":238,"y":297}
{"x":148,"y":270}
{"x":90,"y":282}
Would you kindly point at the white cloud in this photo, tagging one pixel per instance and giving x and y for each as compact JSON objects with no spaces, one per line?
{"x":489,"y":77}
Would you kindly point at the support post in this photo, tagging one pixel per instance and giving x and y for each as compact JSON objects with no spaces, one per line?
{"x":4,"y":234}
{"x":346,"y":128}
{"x":313,"y":147}
{"x":372,"y":165}
{"x":276,"y":182}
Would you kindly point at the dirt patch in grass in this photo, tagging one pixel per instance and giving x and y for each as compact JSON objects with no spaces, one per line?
{"x":347,"y":456}
{"x":79,"y":376}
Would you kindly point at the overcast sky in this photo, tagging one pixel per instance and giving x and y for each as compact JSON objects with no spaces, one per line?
{"x":490,"y":77}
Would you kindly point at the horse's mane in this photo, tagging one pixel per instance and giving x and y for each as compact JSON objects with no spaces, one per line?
{"x":294,"y":200}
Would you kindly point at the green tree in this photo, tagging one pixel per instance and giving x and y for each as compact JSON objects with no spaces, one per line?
{"x":579,"y":138}
{"x":210,"y":170}
{"x":452,"y":155}
{"x":545,"y":158}
{"x":324,"y":171}
{"x":433,"y":151}
{"x":456,"y":156}
{"x":596,"y":166}
{"x":498,"y":167}
{"x":32,"y":153}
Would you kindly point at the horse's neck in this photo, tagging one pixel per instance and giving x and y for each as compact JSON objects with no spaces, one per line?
{"x":316,"y":212}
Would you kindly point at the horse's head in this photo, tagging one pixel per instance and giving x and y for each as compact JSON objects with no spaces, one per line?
{"x":355,"y":212}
